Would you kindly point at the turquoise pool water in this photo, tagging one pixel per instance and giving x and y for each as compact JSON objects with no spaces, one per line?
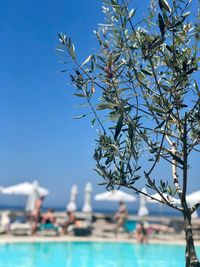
{"x":91,"y":254}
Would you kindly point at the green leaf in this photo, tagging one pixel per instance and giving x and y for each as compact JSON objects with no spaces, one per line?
{"x":161,"y":24}
{"x":102,"y":183}
{"x":93,"y":122}
{"x":60,"y":50}
{"x":105,"y":106}
{"x":169,"y":48}
{"x":87,"y":60}
{"x":179,"y":22}
{"x":122,"y":90}
{"x":169,"y":63}
{"x":79,"y":95}
{"x":157,"y":42}
{"x":164,"y":5}
{"x":186,"y":14}
{"x":146,"y":72}
{"x":116,"y":57}
{"x":160,"y":125}
{"x":62,"y":38}
{"x":119,"y":126}
{"x":190,"y":71}
{"x":114,"y":146}
{"x":196,"y":87}
{"x":69,"y":43}
{"x":79,"y":117}
{"x":130,"y":132}
{"x":131,"y":13}
{"x":102,"y":59}
{"x":100,"y":67}
{"x":72,"y":51}
{"x":138,"y":168}
{"x":155,"y":109}
{"x":119,"y":11}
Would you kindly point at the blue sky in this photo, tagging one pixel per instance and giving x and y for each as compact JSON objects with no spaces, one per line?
{"x":39,"y":139}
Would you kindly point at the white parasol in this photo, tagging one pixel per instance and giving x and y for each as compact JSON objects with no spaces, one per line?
{"x":87,"y":203}
{"x":143,"y":210}
{"x":115,"y":195}
{"x":32,"y":190}
{"x":25,"y":189}
{"x":192,"y":199}
{"x":72,"y":203}
{"x":169,"y":198}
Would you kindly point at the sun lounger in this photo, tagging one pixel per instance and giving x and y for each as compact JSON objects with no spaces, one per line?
{"x":2,"y":230}
{"x":18,"y":228}
{"x":82,"y":228}
{"x":48,"y":229}
{"x":82,"y":231}
{"x":107,"y":230}
{"x":4,"y":222}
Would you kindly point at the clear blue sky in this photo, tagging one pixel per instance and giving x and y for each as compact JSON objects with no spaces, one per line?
{"x":38,"y":137}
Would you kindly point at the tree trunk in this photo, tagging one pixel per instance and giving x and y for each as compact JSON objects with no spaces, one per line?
{"x":190,"y":253}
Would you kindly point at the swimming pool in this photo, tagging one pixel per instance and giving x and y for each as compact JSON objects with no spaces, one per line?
{"x":91,"y":254}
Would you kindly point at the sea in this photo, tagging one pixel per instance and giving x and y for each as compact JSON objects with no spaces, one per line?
{"x":153,"y":212}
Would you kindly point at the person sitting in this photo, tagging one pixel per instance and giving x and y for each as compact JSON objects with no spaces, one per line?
{"x":71,"y":221}
{"x":141,"y":233}
{"x":161,"y":229}
{"x":49,"y":227}
{"x":49,"y":217}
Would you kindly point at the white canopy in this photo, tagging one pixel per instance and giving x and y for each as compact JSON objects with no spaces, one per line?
{"x":193,"y":198}
{"x":166,"y":196}
{"x":115,"y":195}
{"x":25,"y":189}
{"x":32,"y":190}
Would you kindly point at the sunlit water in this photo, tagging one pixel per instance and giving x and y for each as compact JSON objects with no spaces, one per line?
{"x":91,"y":254}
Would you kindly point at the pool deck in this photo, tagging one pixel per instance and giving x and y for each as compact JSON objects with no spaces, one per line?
{"x":97,"y":236}
{"x":65,"y":238}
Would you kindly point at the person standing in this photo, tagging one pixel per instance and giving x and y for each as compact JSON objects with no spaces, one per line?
{"x":121,"y":217}
{"x":36,"y":214}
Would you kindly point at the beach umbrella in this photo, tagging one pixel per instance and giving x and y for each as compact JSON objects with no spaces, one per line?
{"x":115,"y":195}
{"x":192,"y":199}
{"x":25,"y":189}
{"x":71,"y":207}
{"x":87,"y":203}
{"x":32,"y":190}
{"x":143,"y":210}
{"x":158,"y":197}
{"x":166,"y":196}
{"x":34,"y":195}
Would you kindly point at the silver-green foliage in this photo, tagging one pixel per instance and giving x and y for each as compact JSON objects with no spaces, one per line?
{"x":142,"y":87}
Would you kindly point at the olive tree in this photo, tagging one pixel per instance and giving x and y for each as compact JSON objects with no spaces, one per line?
{"x":141,"y":86}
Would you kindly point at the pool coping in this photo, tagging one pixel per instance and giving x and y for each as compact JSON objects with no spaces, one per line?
{"x":34,"y":239}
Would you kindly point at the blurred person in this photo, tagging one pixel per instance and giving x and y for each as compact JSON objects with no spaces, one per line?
{"x":71,"y":221}
{"x":49,"y":217}
{"x":141,"y":233}
{"x":36,"y":213}
{"x":120,"y":217}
